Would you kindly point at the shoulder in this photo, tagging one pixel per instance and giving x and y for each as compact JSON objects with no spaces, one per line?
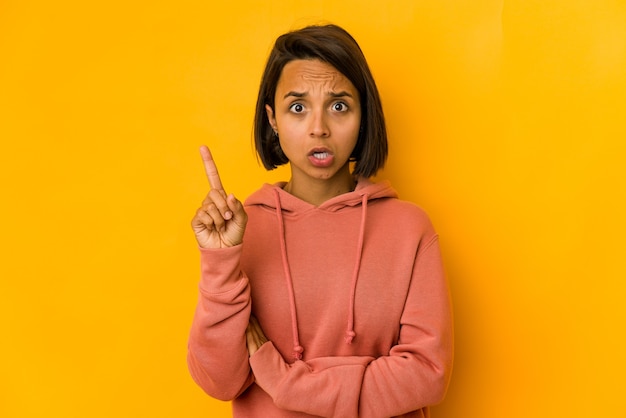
{"x":385,"y":204}
{"x":403,"y":211}
{"x":386,"y":200}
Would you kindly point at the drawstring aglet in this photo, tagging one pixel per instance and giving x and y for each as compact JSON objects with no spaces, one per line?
{"x":297,"y":352}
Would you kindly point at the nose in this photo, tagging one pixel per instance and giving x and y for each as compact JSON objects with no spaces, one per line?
{"x":319,"y":126}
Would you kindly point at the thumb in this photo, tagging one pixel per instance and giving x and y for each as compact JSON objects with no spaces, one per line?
{"x":238,"y":212}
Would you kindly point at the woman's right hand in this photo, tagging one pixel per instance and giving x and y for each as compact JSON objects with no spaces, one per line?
{"x":221,"y":220}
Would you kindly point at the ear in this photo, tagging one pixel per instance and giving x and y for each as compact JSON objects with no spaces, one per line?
{"x":271,"y":118}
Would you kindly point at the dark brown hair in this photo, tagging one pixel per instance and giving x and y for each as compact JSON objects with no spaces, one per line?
{"x":333,"y":45}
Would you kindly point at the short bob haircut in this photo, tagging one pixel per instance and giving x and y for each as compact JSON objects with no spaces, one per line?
{"x":333,"y":45}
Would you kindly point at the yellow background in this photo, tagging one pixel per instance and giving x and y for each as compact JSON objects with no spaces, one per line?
{"x":507,"y":124}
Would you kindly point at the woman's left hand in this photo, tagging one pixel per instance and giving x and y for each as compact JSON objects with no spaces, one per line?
{"x":254,"y":336}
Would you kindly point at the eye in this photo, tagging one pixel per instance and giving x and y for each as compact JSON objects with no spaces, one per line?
{"x":339,"y":107}
{"x":296,"y":108}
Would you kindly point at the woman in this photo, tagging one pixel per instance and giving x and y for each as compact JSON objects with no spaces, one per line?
{"x":324,"y":295}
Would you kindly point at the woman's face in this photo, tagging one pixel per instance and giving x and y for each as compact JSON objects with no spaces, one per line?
{"x":317,"y":115}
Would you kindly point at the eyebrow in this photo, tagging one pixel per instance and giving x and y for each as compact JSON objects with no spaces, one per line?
{"x":331,"y":94}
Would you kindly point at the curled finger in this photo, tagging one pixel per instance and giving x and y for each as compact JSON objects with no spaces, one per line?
{"x":219,"y":199}
{"x":215,"y":214}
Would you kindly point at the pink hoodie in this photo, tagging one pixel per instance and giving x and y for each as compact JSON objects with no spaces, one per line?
{"x":352,"y":297}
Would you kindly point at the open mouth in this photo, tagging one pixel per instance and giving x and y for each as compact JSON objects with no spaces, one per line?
{"x":321,"y":155}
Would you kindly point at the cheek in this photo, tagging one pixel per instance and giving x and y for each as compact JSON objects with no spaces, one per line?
{"x":287,"y":126}
{"x":288,"y":137}
{"x":349,"y":131}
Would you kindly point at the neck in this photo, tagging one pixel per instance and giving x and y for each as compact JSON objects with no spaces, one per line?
{"x":319,"y":191}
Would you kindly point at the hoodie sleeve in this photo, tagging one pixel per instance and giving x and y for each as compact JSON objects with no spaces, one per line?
{"x":414,"y":375}
{"x":217,"y":354}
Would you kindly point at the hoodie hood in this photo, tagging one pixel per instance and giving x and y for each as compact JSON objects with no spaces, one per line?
{"x":291,"y":205}
{"x":286,"y":205}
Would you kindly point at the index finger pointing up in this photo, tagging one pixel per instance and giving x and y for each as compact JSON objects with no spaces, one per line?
{"x":210,"y":168}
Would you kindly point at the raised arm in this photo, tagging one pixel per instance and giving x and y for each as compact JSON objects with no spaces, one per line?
{"x":217,"y":353}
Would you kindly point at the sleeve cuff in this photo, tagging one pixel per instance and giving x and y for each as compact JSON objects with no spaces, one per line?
{"x":220,"y":270}
{"x":269,"y":368}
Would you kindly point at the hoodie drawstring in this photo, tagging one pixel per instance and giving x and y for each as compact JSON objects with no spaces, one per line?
{"x":297,"y":348}
{"x":350,"y":334}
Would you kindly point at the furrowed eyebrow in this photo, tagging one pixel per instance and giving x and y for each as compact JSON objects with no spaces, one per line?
{"x":331,"y":94}
{"x":340,"y":94}
{"x":294,"y":94}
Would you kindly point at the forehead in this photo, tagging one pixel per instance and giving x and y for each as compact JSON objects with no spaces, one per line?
{"x":304,"y":73}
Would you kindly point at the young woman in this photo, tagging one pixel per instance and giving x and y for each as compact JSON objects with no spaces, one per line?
{"x":324,"y":295}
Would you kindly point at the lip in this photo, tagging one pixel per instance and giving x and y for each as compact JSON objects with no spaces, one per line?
{"x":321,"y":157}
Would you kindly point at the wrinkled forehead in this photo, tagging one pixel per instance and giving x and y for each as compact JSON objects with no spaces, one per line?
{"x":300,"y":74}
{"x":319,"y":74}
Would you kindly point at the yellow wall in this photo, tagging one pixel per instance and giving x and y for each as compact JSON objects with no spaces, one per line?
{"x":507,"y":123}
